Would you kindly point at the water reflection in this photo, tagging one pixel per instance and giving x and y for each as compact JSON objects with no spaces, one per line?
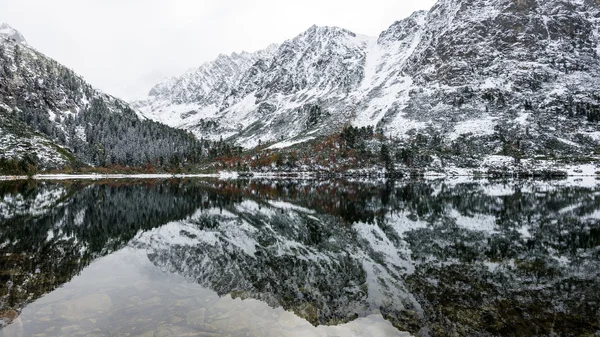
{"x":432,"y":258}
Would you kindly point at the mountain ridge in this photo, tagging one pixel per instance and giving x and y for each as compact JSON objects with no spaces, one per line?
{"x":488,"y":74}
{"x":473,"y":84}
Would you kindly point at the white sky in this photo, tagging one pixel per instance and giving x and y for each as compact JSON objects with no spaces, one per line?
{"x":124,"y":47}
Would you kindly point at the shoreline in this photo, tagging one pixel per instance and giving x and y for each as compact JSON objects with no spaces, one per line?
{"x":105,"y":176}
{"x":230,"y":175}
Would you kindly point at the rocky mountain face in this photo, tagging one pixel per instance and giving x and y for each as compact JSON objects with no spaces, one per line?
{"x":281,"y":93}
{"x":480,"y":77}
{"x":54,"y":118}
{"x":200,"y":92}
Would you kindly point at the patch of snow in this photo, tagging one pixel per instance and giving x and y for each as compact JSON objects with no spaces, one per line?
{"x":475,"y":127}
{"x":525,"y":232}
{"x":498,"y":190}
{"x":583,"y":169}
{"x":594,"y":215}
{"x":79,"y":217}
{"x":594,"y":135}
{"x":228,"y":175}
{"x":498,"y":161}
{"x":288,"y":206}
{"x":478,"y":222}
{"x":381,"y":244}
{"x":523,"y":118}
{"x":568,"y":142}
{"x":80,"y":133}
{"x":284,"y":144}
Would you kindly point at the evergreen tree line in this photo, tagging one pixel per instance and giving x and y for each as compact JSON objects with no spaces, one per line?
{"x":215,"y":149}
{"x":354,"y":136}
{"x":104,"y":138}
{"x":587,"y":110}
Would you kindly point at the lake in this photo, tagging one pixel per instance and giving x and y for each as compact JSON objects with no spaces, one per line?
{"x":193,"y":257}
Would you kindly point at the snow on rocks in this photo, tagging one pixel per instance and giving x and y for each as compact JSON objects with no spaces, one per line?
{"x":448,"y":73}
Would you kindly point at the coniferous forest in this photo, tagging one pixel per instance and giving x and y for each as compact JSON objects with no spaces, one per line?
{"x":41,"y":97}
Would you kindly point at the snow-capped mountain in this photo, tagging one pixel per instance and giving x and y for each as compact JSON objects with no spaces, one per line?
{"x":281,"y":93}
{"x":9,"y":33}
{"x":498,"y":73}
{"x":200,"y":91}
{"x":51,"y":116}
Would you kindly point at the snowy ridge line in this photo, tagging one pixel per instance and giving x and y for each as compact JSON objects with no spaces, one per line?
{"x":434,"y":76}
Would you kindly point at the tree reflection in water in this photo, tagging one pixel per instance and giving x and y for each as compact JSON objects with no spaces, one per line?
{"x":434,"y":257}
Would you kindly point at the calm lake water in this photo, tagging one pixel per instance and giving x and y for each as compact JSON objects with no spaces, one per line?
{"x":300,"y":258}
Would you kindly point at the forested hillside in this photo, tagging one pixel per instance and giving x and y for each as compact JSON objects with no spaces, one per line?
{"x":47,"y":108}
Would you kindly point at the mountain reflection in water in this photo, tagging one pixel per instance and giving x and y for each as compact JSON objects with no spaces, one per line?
{"x":437,"y":258}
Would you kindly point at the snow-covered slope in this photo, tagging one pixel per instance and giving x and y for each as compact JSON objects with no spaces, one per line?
{"x":17,"y":140}
{"x":199,"y":93}
{"x":9,"y":33}
{"x":251,"y":248}
{"x":283,"y":92}
{"x":500,"y":73}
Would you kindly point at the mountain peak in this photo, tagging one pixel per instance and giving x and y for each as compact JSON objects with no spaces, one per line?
{"x":9,"y":33}
{"x":449,"y":72}
{"x":402,"y":28}
{"x":315,"y":30}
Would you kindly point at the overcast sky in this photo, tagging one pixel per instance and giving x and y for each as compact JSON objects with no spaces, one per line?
{"x":125,"y":46}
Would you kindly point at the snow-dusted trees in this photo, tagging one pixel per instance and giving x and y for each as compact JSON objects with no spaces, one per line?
{"x":104,"y":138}
{"x":98,"y":129}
